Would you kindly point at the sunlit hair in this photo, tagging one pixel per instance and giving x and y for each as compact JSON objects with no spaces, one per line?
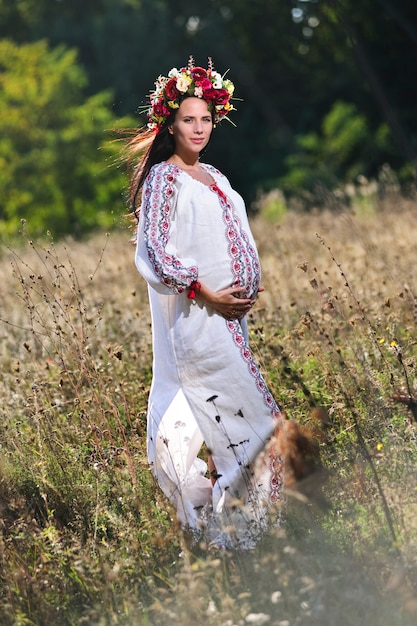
{"x":149,"y":149}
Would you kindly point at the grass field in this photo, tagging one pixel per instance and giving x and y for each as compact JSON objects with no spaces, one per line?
{"x":86,"y":536}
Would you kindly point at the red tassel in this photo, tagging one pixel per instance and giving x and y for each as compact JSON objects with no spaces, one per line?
{"x":195,"y":287}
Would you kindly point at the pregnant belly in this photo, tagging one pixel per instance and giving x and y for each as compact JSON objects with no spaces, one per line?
{"x":246,"y":270}
{"x":241,"y":269}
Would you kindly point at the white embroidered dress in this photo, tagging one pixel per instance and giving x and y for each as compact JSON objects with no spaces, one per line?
{"x":206,"y":386}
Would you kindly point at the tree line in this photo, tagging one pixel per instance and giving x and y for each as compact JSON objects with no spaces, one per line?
{"x":326,"y":90}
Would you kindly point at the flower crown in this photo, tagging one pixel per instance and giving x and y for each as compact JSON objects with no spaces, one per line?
{"x":189,"y":81}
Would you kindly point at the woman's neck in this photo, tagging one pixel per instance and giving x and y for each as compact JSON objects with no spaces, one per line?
{"x":185,"y":163}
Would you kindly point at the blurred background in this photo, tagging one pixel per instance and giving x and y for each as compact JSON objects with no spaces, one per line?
{"x":327,"y":86}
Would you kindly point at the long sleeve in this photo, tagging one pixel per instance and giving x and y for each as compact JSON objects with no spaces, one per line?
{"x":158,"y":258}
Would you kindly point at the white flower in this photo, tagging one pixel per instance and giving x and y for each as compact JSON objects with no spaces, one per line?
{"x":198,"y":91}
{"x":174,"y":73}
{"x":257,"y":618}
{"x":217,"y":80}
{"x":276,"y":597}
{"x":183,"y":83}
{"x":160,"y":80}
{"x":211,"y":609}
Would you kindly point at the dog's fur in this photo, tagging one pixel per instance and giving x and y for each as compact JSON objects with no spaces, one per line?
{"x":299,"y":448}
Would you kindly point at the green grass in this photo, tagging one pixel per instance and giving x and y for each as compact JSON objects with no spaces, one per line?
{"x":86,"y":535}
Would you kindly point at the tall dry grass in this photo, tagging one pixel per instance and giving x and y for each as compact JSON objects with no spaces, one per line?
{"x":87,"y":538}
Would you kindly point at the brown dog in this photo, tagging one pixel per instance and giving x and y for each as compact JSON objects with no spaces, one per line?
{"x":298,"y":448}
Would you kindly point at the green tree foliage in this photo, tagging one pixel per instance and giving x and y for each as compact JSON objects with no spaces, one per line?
{"x":55,"y":158}
{"x":372,"y":49}
{"x":291,"y":62}
{"x":338,"y":154}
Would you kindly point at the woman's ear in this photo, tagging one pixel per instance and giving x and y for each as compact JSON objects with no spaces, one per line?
{"x":170,"y":130}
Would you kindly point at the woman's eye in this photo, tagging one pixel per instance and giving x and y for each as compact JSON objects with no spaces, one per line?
{"x":205,"y":120}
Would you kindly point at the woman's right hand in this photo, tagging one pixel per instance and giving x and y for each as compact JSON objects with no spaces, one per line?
{"x":227,"y":302}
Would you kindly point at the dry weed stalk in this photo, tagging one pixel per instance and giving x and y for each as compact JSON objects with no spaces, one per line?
{"x":72,"y":436}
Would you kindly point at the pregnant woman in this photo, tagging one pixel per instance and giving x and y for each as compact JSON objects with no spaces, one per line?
{"x":197,"y":254}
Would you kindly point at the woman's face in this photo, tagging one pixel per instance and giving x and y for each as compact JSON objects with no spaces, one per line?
{"x":192,"y":127}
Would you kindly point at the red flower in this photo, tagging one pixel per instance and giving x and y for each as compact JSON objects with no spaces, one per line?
{"x":210,"y":94}
{"x":222,"y":97}
{"x":198,"y":74}
{"x":171,"y":89}
{"x":205,"y":84}
{"x":160,"y":110}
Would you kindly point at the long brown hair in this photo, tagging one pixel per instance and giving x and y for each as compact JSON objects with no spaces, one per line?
{"x":152,"y":148}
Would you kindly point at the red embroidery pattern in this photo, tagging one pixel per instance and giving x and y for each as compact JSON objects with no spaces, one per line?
{"x":236,"y":330}
{"x":276,"y":483}
{"x":157,"y":195}
{"x":246,"y":272}
{"x":244,"y":258}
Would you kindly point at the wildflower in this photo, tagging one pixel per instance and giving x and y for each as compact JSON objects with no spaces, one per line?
{"x":183,"y":82}
{"x":257,"y":618}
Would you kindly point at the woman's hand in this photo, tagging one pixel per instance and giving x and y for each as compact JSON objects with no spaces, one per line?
{"x":227,"y":302}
